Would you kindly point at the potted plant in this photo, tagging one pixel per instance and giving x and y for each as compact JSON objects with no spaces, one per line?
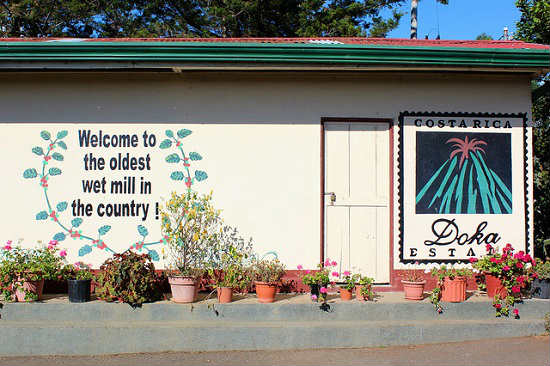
{"x":129,"y":277}
{"x":318,"y":280}
{"x":451,"y":285}
{"x":231,"y":274}
{"x":23,"y":270}
{"x":506,"y":275}
{"x":190,"y":225}
{"x":540,"y":288}
{"x":413,"y":284}
{"x":347,"y":285}
{"x":363,"y":288}
{"x":267,"y":273}
{"x":79,"y":280}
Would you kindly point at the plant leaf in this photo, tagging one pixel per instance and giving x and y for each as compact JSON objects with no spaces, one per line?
{"x":45,"y":135}
{"x":30,"y":173}
{"x":177,"y":175}
{"x":54,"y":171}
{"x":169,"y":133}
{"x":62,"y":206}
{"x":42,"y":215}
{"x":142,"y":230}
{"x":165,"y":144}
{"x":62,"y":134}
{"x":195,"y":156}
{"x":38,"y":150}
{"x":59,"y":236}
{"x":154,"y":255}
{"x":84,"y":250}
{"x":104,"y":229}
{"x":183,"y":133}
{"x":57,"y":156}
{"x":200,"y":175}
{"x":62,"y":145}
{"x":173,"y":158}
{"x":76,"y":222}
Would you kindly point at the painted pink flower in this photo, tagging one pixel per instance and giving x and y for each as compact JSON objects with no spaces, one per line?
{"x":506,"y":268}
{"x":335,"y":274}
{"x":63,"y":253}
{"x":300,"y":267}
{"x":347,"y":273}
{"x":333,"y":263}
{"x":323,"y":290}
{"x":314,"y":297}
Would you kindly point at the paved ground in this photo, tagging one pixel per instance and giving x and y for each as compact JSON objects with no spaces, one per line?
{"x":503,"y":352}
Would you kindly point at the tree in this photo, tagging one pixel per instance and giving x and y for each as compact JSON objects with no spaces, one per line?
{"x":414,"y":16}
{"x":534,"y":26}
{"x":484,"y":37}
{"x":198,"y":18}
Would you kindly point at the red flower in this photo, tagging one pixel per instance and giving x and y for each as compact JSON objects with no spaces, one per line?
{"x":520,"y":279}
{"x":493,"y":260}
{"x":101,"y":244}
{"x":516,"y":289}
{"x":498,"y":306}
{"x":488,"y":247}
{"x":535,"y":275}
{"x":516,"y":312}
{"x":473,"y":260}
{"x":506,"y":268}
{"x":519,"y":265}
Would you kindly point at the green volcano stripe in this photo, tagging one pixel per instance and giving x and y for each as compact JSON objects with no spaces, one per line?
{"x":493,"y":188}
{"x":483,"y":186}
{"x":504,"y":203}
{"x":442,"y":186}
{"x":472,"y":194}
{"x":447,"y":198}
{"x":502,"y":185}
{"x":427,"y":186}
{"x":460,"y":189}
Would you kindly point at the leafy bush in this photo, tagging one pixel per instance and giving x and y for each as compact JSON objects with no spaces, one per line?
{"x":268,"y":270}
{"x":129,"y":277}
{"x":78,"y":271}
{"x":542,"y":270}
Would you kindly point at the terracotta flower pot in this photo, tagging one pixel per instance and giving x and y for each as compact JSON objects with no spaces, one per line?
{"x":454,"y":290}
{"x":225,"y":294}
{"x":345,"y":294}
{"x":184,"y":289}
{"x":35,"y":287}
{"x":494,"y":286}
{"x":358,"y":294}
{"x":413,"y":290}
{"x":266,"y":291}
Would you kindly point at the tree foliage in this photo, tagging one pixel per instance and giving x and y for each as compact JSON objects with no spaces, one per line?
{"x":534,"y":26}
{"x":198,"y":18}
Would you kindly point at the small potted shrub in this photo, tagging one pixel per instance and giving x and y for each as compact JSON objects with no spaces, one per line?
{"x":347,"y":285}
{"x":540,"y":288}
{"x":318,"y":280}
{"x":452,"y":282}
{"x":413,"y":284}
{"x":23,"y":270}
{"x":129,"y":277}
{"x":79,"y":280}
{"x":363,"y":288}
{"x":191,"y":227}
{"x":231,"y":274}
{"x":267,"y":274}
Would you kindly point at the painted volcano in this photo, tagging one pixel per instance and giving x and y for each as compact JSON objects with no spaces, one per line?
{"x":463,"y":173}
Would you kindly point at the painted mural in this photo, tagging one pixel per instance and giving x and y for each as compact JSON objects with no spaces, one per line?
{"x":463,"y":184}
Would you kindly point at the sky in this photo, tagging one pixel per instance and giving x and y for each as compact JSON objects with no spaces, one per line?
{"x":461,"y":19}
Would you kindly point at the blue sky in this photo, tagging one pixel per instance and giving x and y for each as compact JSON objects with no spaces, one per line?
{"x":461,"y":19}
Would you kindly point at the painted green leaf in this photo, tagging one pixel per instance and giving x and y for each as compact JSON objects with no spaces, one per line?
{"x":142,"y":230}
{"x":62,"y":206}
{"x":200,"y":175}
{"x":59,"y":236}
{"x":76,"y":222}
{"x":104,"y":230}
{"x":54,"y":171}
{"x":30,"y":173}
{"x":45,"y":135}
{"x":195,"y":156}
{"x":42,"y":215}
{"x":62,"y":145}
{"x":57,"y":156}
{"x":84,"y":250}
{"x":176,"y":175}
{"x":62,"y":134}
{"x":169,"y":133}
{"x":154,"y":255}
{"x":173,"y":158}
{"x":165,"y":144}
{"x":38,"y":150}
{"x":183,"y":133}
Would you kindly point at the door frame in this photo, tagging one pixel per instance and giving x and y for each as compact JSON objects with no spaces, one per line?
{"x":333,"y":120}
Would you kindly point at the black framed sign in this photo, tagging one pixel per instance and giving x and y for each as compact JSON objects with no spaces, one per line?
{"x":463,"y":184}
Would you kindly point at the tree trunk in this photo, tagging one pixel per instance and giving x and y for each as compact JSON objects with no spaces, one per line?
{"x":414,"y":22}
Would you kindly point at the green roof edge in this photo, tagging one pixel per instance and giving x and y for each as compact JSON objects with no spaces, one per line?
{"x":298,"y":53}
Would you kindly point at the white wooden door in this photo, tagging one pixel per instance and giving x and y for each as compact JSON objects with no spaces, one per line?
{"x":357,"y":221}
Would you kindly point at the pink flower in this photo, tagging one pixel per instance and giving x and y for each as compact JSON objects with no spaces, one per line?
{"x":516,"y":312}
{"x":506,"y":268}
{"x":53,"y":242}
{"x":535,"y":275}
{"x":498,"y":306}
{"x":493,"y":259}
{"x":323,"y":290}
{"x":308,"y":271}
{"x":51,"y":247}
{"x":473,"y":260}
{"x":347,"y":273}
{"x":488,"y":247}
{"x":63,"y":253}
{"x":327,"y":262}
{"x":300,"y":267}
{"x":519,"y":265}
{"x":520,"y":279}
{"x":333,"y":263}
{"x":516,"y":289}
{"x":314,"y":297}
{"x":335,"y":274}
{"x":8,"y":245}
